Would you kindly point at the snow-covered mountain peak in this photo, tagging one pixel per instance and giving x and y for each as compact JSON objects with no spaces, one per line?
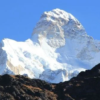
{"x":55,"y":26}
{"x":57,"y":51}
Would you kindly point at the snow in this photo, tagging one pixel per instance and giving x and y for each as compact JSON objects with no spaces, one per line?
{"x":58,"y":49}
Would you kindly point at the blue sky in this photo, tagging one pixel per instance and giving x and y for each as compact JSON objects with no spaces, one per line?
{"x":18,"y":17}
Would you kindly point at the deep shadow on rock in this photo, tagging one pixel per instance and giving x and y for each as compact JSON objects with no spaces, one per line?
{"x":86,"y":86}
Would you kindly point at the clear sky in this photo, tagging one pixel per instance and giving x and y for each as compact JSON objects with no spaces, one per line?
{"x":18,"y":17}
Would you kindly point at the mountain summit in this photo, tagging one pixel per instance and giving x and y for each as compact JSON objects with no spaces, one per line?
{"x":58,"y":49}
{"x":57,"y":25}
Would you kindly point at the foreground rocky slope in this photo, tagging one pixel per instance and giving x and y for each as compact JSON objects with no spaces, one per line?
{"x":83,"y":87}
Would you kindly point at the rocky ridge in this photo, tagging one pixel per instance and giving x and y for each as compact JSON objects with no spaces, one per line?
{"x":83,"y":87}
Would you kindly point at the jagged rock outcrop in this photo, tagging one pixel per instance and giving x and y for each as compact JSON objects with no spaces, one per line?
{"x":83,"y":87}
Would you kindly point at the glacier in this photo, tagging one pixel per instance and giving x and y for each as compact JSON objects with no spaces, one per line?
{"x":59,"y":48}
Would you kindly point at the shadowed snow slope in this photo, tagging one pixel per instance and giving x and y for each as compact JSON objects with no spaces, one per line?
{"x":58,"y":49}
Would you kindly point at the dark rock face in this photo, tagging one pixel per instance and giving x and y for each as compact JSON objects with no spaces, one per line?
{"x":86,"y":86}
